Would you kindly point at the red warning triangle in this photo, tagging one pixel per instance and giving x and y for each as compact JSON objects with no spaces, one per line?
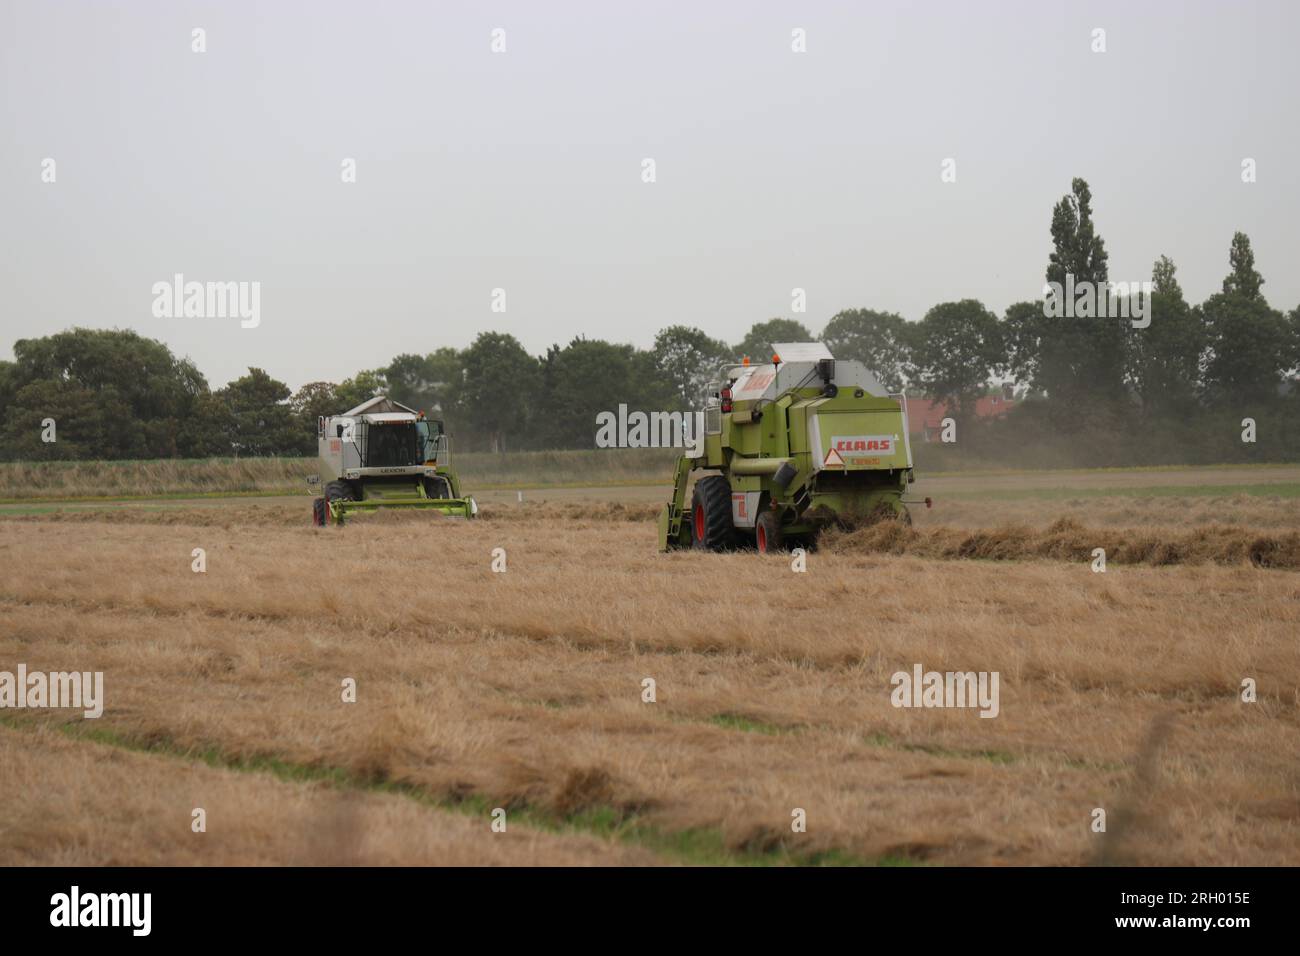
{"x":833,"y":459}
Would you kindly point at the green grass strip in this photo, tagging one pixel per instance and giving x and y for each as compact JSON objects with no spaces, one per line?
{"x":700,"y":846}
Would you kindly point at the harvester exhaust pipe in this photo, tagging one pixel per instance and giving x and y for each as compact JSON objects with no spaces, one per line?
{"x":826,"y":369}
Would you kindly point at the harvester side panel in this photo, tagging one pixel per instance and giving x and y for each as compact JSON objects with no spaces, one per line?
{"x":852,"y":438}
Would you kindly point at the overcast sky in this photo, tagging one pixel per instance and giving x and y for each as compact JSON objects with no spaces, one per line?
{"x":522,"y":170}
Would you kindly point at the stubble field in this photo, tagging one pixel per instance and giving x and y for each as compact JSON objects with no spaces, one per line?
{"x":523,"y":690}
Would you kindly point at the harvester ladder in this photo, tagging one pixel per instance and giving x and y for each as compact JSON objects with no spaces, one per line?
{"x":678,"y":510}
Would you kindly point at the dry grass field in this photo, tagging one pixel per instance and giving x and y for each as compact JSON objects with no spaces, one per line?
{"x":523,"y":690}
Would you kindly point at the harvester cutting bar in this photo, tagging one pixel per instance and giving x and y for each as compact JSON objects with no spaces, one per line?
{"x":451,"y":507}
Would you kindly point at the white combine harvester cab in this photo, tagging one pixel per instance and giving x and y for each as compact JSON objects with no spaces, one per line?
{"x":379,"y":437}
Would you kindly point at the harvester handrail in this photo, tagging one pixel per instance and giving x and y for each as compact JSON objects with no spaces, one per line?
{"x":726,"y":369}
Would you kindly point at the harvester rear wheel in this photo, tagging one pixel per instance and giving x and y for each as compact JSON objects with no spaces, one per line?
{"x":711,"y":525}
{"x":767,"y":533}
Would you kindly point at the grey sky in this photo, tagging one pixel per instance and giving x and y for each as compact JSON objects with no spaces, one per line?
{"x":522,"y":170}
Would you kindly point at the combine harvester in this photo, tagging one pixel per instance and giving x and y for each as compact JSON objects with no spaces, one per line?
{"x":382,"y":454}
{"x":793,"y":447}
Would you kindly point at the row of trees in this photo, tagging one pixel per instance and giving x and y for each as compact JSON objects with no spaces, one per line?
{"x":113,"y":394}
{"x":116,"y":395}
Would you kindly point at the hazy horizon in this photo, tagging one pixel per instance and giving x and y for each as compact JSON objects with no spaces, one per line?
{"x":522,"y":170}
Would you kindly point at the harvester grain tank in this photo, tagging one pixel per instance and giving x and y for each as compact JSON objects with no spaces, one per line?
{"x":791,"y":447}
{"x":381,"y":455}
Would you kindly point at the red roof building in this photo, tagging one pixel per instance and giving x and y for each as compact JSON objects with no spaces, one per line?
{"x":925,"y":415}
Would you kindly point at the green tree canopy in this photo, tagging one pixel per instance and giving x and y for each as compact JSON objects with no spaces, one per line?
{"x":1250,"y":346}
{"x":309,"y":404}
{"x":1081,"y":359}
{"x":763,"y":335}
{"x":1077,"y":250}
{"x":1164,"y":358}
{"x":259,"y":419}
{"x":411,"y":380}
{"x":447,"y":374}
{"x":1023,"y":328}
{"x":316,"y":400}
{"x":365,"y":385}
{"x":589,"y":376}
{"x":88,"y":423}
{"x":957,"y":348}
{"x":687,"y":360}
{"x":88,"y":371}
{"x":1164,"y":278}
{"x":879,"y":340}
{"x":1243,"y":280}
{"x":499,"y":389}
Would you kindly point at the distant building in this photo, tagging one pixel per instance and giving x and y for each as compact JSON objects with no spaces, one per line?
{"x":925,"y":415}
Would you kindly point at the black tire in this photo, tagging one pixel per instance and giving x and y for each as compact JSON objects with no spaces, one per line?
{"x":767,"y":533}
{"x":339,"y":491}
{"x":318,"y":512}
{"x":437,"y":487}
{"x":711,"y":527}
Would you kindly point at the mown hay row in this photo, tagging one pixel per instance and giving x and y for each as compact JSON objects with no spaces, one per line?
{"x":1068,"y":540}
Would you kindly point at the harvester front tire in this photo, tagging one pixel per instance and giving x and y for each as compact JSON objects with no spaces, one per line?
{"x":338,"y":491}
{"x":767,"y":533}
{"x":318,"y":512}
{"x":711,"y":527}
{"x":438,"y":487}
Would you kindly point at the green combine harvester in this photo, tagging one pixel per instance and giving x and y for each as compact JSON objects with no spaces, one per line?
{"x":382,"y":454}
{"x":791,"y":447}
